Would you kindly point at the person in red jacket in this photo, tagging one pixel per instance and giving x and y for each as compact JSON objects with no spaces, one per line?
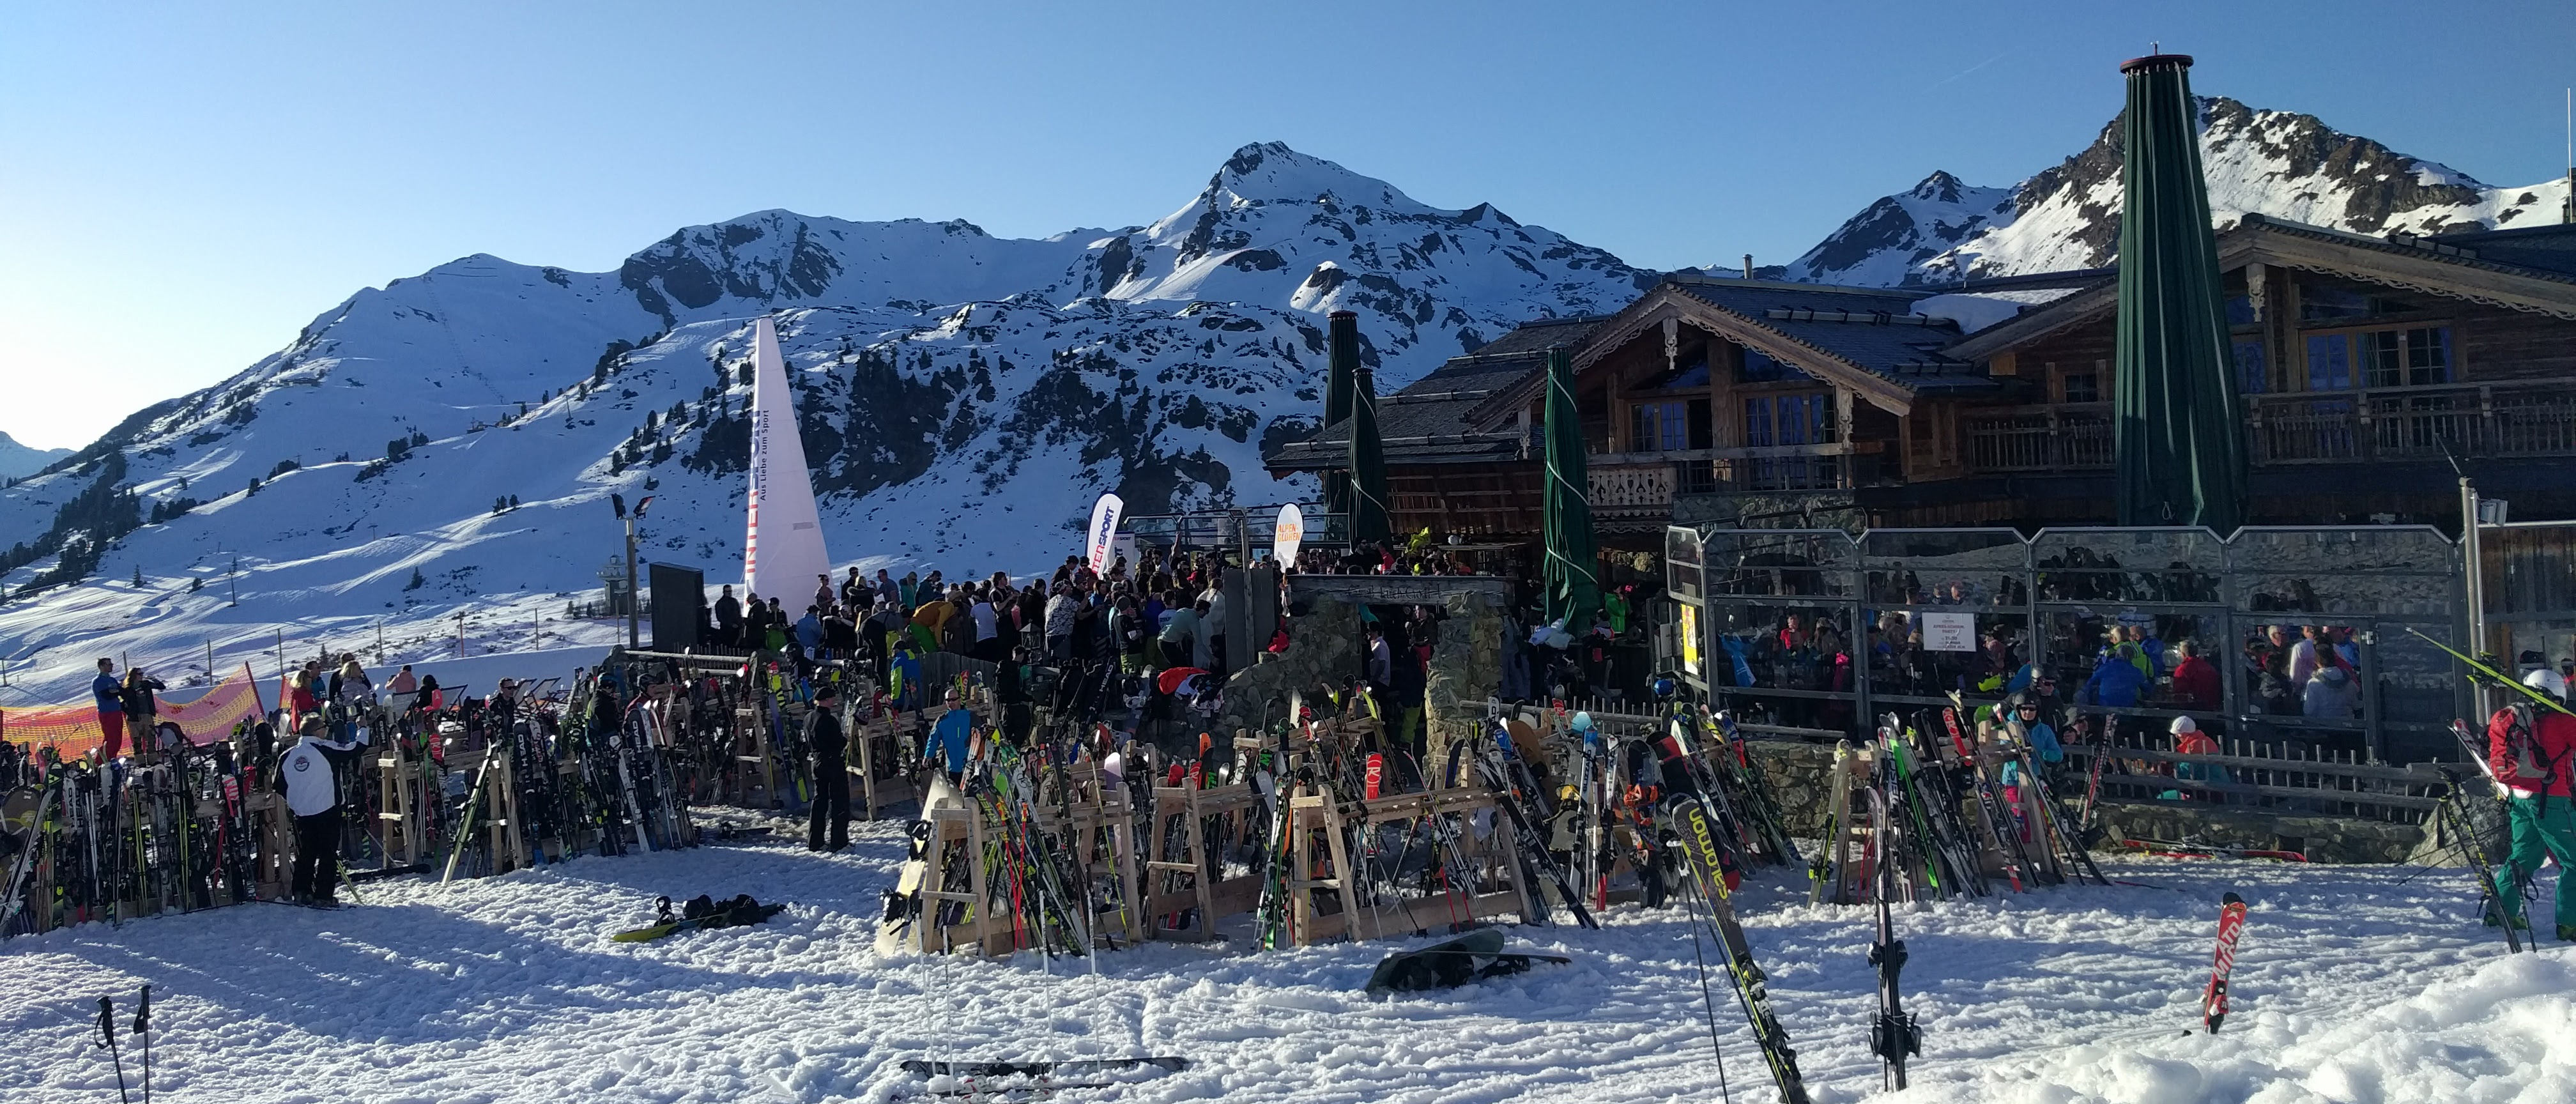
{"x":2195,"y":680}
{"x":2531,"y":749}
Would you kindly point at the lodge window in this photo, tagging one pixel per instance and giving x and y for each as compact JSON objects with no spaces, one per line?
{"x":1789,"y":420}
{"x":2412,"y":357}
{"x":2253,"y":368}
{"x":2083,"y":387}
{"x":1660,"y":426}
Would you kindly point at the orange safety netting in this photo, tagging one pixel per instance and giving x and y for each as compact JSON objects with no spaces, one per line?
{"x":72,"y":730}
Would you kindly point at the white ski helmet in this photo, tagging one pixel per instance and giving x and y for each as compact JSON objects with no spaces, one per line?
{"x":2548,"y":682}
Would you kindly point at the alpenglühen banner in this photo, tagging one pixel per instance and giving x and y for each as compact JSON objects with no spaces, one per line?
{"x":72,"y":730}
{"x":1288,"y":535}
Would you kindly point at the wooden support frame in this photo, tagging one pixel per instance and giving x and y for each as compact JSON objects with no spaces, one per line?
{"x":502,"y":825}
{"x":951,"y":828}
{"x":399,"y":821}
{"x":1493,"y":858}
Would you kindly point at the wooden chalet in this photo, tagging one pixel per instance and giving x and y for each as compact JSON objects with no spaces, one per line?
{"x":2366,"y":366}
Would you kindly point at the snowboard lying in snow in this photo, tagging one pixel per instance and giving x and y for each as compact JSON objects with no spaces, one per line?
{"x":701,"y":913}
{"x":1013,"y":1080}
{"x":1472,"y":957}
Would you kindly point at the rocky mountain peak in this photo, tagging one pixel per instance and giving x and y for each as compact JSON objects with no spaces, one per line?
{"x":2284,"y":164}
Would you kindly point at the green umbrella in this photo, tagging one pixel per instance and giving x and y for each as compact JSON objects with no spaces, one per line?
{"x":1341,"y":368}
{"x":1573,"y":582}
{"x":1368,"y":462}
{"x":2177,"y":432}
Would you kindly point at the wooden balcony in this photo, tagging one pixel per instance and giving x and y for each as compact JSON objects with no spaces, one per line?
{"x":2413,"y":423}
{"x":2519,"y":419}
{"x":1641,"y":486}
{"x":2063,"y":437}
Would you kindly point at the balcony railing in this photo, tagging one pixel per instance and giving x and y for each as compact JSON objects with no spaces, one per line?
{"x":2332,"y":427}
{"x":2413,"y":423}
{"x":1642,"y":485}
{"x":2039,"y":438}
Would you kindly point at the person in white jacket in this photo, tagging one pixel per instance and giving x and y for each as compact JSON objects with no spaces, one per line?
{"x":306,"y":774}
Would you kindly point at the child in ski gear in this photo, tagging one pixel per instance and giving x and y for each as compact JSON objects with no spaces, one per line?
{"x":304,"y":775}
{"x":831,"y":773}
{"x":2532,"y":750}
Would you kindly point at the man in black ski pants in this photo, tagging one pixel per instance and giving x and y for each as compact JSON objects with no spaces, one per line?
{"x":831,"y":772}
{"x":306,"y":774}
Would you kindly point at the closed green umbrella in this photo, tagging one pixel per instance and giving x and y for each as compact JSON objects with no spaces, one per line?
{"x":1573,"y":564}
{"x":2177,"y":433}
{"x":1341,"y":368}
{"x":1368,"y":462}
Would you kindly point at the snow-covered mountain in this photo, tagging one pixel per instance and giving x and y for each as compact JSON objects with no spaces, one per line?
{"x":2279,"y":163}
{"x":447,"y":443}
{"x":17,"y":459}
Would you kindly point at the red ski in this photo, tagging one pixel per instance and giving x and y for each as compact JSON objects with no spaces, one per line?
{"x":1376,"y":773}
{"x":2231,"y":924}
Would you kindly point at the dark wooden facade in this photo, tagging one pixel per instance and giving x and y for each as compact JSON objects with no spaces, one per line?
{"x":2366,"y":365}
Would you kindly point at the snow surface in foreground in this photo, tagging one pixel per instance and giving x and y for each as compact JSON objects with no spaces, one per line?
{"x":2353,"y":985}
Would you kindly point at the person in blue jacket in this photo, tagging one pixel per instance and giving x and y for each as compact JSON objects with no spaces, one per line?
{"x":109,"y":696}
{"x":949,"y":738}
{"x":2117,"y":679}
{"x":2041,"y":737}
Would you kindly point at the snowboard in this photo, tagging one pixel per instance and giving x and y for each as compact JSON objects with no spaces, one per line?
{"x":723,"y":915}
{"x":920,"y":1068}
{"x":903,"y":902}
{"x":1472,"y":957}
{"x":2231,"y":924}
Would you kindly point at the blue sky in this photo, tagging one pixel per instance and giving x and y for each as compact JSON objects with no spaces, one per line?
{"x":183,"y":186}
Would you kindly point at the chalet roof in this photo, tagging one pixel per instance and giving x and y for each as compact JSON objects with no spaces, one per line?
{"x":1876,"y":329}
{"x":2505,"y":268}
{"x":1441,"y":418}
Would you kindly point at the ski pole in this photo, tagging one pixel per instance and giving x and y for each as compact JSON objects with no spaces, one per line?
{"x":107,"y":1038}
{"x":143,"y":1028}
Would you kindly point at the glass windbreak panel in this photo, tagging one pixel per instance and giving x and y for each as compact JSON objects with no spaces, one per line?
{"x":1927,"y":653}
{"x":2300,"y":668}
{"x":1682,"y":579}
{"x":2129,"y":658}
{"x":1681,"y":545}
{"x":2173,"y":566}
{"x":2359,"y":548}
{"x":1779,"y":562}
{"x":2416,"y":682}
{"x":1944,"y":567}
{"x":1806,"y":651}
{"x":2387,"y":570}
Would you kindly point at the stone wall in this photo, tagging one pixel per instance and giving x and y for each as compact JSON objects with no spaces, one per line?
{"x":1797,"y":773}
{"x":1323,"y":650}
{"x":1466,"y":672}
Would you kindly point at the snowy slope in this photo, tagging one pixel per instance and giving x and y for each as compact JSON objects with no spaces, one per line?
{"x":963,"y":400}
{"x":2351,"y":985}
{"x":2278,"y":163}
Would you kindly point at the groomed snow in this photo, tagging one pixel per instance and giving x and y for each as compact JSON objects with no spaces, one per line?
{"x":2354,"y":984}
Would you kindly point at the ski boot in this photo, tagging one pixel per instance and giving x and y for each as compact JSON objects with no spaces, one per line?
{"x":2519,"y":922}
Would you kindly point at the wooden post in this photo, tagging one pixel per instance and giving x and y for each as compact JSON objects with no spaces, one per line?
{"x":501,"y":797}
{"x":400,"y":816}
